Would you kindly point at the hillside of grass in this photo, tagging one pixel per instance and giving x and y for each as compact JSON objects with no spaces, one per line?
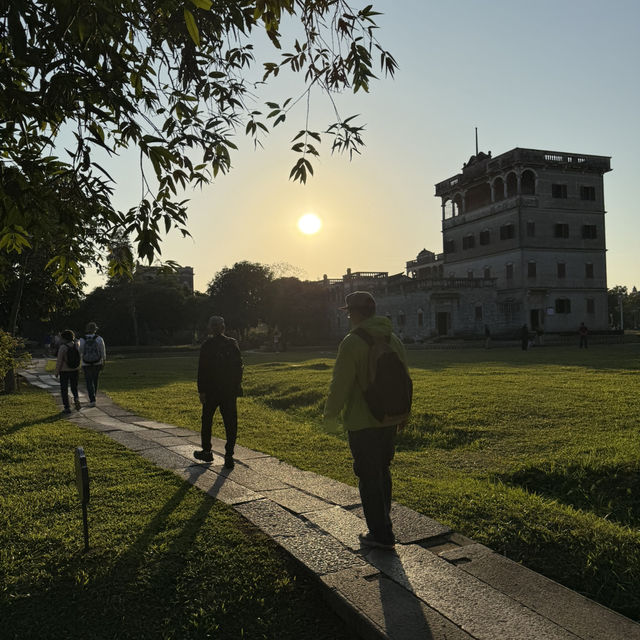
{"x":535,"y":454}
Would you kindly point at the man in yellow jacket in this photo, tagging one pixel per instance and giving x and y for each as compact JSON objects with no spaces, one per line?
{"x":372,"y":443}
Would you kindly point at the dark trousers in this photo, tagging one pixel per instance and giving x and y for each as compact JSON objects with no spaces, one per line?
{"x":68,"y":379}
{"x":229,"y":411}
{"x":91,"y":373}
{"x":372,"y":450}
{"x":583,"y":342}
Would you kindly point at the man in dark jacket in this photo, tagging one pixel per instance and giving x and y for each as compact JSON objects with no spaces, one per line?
{"x":219,"y":385}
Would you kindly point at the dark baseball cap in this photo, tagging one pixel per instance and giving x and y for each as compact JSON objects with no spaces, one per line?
{"x":360,"y":301}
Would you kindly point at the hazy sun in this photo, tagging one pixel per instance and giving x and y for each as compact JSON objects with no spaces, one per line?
{"x":309,"y":223}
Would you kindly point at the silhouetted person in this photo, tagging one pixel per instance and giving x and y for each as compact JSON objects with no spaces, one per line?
{"x":524,"y":337}
{"x":68,"y":368}
{"x":583,"y":332}
{"x":219,"y":385}
{"x":94,"y":357}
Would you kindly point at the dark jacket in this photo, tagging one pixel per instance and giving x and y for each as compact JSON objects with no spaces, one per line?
{"x":220,"y":367}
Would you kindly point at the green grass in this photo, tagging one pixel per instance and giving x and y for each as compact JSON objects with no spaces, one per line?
{"x":166,"y":560}
{"x":536,"y":454}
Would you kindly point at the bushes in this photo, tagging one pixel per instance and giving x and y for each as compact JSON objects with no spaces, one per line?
{"x":12,"y":356}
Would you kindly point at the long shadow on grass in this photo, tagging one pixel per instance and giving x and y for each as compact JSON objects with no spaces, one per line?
{"x":610,"y":491}
{"x":30,"y":423}
{"x":129,"y":601}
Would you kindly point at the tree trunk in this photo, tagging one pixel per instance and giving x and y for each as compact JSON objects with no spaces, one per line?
{"x":12,"y":328}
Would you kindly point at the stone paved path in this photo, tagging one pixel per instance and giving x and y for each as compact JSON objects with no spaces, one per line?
{"x":436,"y":585}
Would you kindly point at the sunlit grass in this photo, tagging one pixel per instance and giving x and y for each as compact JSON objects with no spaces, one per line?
{"x":535,"y":454}
{"x":165,"y":559}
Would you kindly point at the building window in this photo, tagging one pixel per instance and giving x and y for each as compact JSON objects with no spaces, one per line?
{"x":531,"y":228}
{"x":589,"y":231}
{"x":485,"y":237}
{"x":528,"y":183}
{"x":562,"y":270}
{"x":401,"y":319}
{"x":507,"y":231}
{"x":561,"y":230}
{"x":588,"y":270}
{"x":559,"y":191}
{"x":563,"y":305}
{"x":509,"y":270}
{"x":479,"y":312}
{"x":420,"y":317}
{"x":449,"y":246}
{"x":469,"y":242}
{"x":531,"y":269}
{"x":591,"y":305}
{"x":587,"y":193}
{"x":487,"y":272}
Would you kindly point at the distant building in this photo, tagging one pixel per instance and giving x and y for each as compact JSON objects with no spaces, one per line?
{"x":523,"y":243}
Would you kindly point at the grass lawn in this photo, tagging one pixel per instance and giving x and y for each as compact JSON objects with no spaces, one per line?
{"x":536,"y":454}
{"x":166,"y":560}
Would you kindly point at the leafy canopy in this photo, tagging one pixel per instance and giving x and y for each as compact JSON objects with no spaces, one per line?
{"x":86,"y":80}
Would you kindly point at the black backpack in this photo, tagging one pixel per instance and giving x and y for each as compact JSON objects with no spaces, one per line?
{"x":91,"y":354}
{"x":390,"y":389}
{"x":73,"y":356}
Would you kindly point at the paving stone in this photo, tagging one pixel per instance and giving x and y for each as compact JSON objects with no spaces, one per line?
{"x":249,"y":478}
{"x":561,"y":605}
{"x":471,"y":604}
{"x":108,"y":421}
{"x":178,"y":432}
{"x":152,"y":424}
{"x":242,"y":453}
{"x":155,"y":435}
{"x":187,"y":450}
{"x":341,"y":524}
{"x":276,"y":469}
{"x":165,"y":458}
{"x":327,"y":489}
{"x":319,"y":552}
{"x":296,"y":500}
{"x":217,"y":486}
{"x":272,"y":518}
{"x":130,"y":440}
{"x":376,"y":607}
{"x":410,"y":526}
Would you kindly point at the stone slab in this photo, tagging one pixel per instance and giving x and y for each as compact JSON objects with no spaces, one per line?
{"x":186,"y":450}
{"x":249,"y":478}
{"x":165,"y":458}
{"x":152,"y":424}
{"x":179,"y":432}
{"x":410,"y":526}
{"x":379,"y":608}
{"x":242,"y":453}
{"x":217,"y":486}
{"x":474,"y":606}
{"x":327,"y":489}
{"x":567,"y":608}
{"x":272,"y":518}
{"x":341,"y":524}
{"x":319,"y":552}
{"x":296,"y":501}
{"x":276,"y":469}
{"x":130,"y":440}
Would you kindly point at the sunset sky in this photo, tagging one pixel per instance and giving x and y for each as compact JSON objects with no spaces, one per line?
{"x":558,"y":75}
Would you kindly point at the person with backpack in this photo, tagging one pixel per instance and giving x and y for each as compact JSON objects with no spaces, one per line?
{"x":94,"y":357}
{"x":372,"y":389}
{"x":68,"y":368}
{"x":219,"y":385}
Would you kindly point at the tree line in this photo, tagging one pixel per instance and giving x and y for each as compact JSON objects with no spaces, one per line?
{"x":158,"y":309}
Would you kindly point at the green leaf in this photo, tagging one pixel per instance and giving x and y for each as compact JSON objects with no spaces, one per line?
{"x":192,"y":27}
{"x":202,"y":4}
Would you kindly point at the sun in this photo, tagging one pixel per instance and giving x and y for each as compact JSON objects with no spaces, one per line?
{"x":309,"y":223}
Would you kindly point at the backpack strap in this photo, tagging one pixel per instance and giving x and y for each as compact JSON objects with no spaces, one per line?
{"x":365,"y":335}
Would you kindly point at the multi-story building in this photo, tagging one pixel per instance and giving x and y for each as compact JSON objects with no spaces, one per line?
{"x":523,"y":243}
{"x":534,"y":221}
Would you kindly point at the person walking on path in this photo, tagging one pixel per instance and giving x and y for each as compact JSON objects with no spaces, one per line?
{"x":68,"y":368}
{"x":94,"y":357}
{"x":219,"y":385}
{"x":371,"y":441}
{"x":584,"y":333}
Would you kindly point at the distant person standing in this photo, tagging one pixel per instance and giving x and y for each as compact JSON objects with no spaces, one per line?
{"x":487,"y":336}
{"x":583,"y":332}
{"x":68,"y":368}
{"x":94,"y":357}
{"x":219,"y":385}
{"x":524,"y":337}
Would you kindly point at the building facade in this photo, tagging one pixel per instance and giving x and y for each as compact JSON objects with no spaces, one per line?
{"x":523,"y":243}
